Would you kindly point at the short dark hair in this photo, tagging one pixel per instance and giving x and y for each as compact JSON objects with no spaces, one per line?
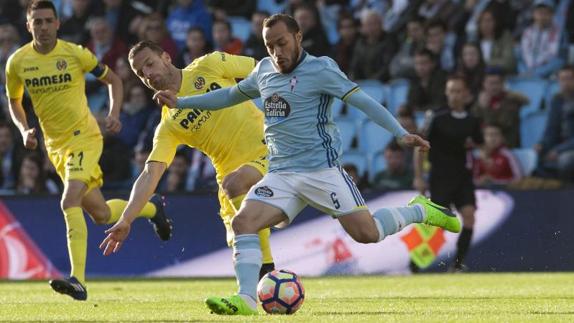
{"x":41,"y":4}
{"x":226,"y":23}
{"x":426,"y":52}
{"x":457,"y":77}
{"x":434,"y":23}
{"x":494,"y":70}
{"x":395,"y":146}
{"x":290,"y":22}
{"x":143,"y":45}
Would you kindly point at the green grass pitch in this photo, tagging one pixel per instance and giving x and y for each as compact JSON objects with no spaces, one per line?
{"x":543,"y":297}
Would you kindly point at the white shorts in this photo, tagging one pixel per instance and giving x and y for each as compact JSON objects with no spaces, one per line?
{"x":329,"y":190}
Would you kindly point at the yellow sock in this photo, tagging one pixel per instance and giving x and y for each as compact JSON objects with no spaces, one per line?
{"x":263,"y":234}
{"x":265,"y":245}
{"x":117,"y":207}
{"x":77,"y":234}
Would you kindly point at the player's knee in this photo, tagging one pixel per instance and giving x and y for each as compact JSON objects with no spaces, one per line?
{"x":365,"y":235}
{"x":242,"y":225}
{"x":69,"y":202}
{"x":233,"y":185}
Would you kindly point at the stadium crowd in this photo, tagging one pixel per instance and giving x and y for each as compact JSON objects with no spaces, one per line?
{"x":512,"y":54}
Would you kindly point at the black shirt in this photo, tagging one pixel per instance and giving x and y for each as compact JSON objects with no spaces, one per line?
{"x":448,"y":136}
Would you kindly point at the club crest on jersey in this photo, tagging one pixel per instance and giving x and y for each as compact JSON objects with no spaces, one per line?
{"x":276,"y":107}
{"x":263,"y":191}
{"x":61,"y":65}
{"x":199,"y":82}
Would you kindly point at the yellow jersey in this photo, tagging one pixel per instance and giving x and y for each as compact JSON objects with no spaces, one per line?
{"x":55,"y":82}
{"x":229,"y":137}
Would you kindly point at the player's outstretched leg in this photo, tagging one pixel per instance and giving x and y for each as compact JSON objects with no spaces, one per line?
{"x":437,"y":215}
{"x":71,"y":287}
{"x":161,"y":223}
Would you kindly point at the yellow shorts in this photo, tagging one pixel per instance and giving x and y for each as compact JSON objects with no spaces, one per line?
{"x":79,"y":160}
{"x":227,"y":210}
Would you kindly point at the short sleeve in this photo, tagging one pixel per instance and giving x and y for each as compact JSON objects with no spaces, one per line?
{"x":333,"y":81}
{"x":164,"y":145}
{"x":90,"y":63}
{"x":230,"y":66}
{"x":14,"y":85}
{"x":249,"y":86}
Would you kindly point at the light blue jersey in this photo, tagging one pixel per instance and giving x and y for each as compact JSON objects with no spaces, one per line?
{"x":299,"y":128}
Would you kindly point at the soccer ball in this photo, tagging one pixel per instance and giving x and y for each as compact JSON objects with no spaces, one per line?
{"x":280,"y":292}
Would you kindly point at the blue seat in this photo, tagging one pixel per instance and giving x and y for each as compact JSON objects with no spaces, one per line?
{"x":378,"y":164}
{"x":553,"y":88}
{"x":271,"y":6}
{"x":240,"y":27}
{"x":348,"y":131}
{"x":397,"y":92}
{"x":532,"y":128}
{"x":533,"y":88}
{"x":355,"y":158}
{"x":527,"y":158}
{"x":373,"y":138}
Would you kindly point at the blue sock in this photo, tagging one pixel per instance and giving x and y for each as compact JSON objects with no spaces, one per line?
{"x":392,"y":220}
{"x":247,"y":263}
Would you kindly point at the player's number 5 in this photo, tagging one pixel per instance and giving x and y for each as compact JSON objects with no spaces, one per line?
{"x":335,"y":201}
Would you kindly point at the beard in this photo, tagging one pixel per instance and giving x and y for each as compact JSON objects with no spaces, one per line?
{"x":294,"y":61}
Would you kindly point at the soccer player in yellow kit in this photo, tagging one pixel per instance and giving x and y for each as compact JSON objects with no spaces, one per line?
{"x":233,"y":139}
{"x":52,"y":71}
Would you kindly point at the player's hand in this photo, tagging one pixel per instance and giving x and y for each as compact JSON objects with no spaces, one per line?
{"x":30,"y":140}
{"x":411,"y":140}
{"x":420,"y":185}
{"x":116,"y":237}
{"x":113,"y":124}
{"x":165,"y":97}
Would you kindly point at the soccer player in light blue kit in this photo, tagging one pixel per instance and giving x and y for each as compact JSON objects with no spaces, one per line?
{"x":304,"y":148}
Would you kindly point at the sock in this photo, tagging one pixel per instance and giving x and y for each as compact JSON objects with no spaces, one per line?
{"x":462,"y":246}
{"x":247,"y":262}
{"x":263,"y":234}
{"x":77,"y":234}
{"x":118,"y":206}
{"x":393,"y":220}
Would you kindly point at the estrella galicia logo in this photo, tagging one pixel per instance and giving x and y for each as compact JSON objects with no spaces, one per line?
{"x":199,"y":82}
{"x":276,"y":107}
{"x":263,"y":191}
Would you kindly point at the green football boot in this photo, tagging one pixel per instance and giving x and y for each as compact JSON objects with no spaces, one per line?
{"x":437,"y":215}
{"x":233,"y":305}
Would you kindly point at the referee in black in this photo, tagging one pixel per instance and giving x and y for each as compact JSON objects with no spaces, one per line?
{"x":452,"y":133}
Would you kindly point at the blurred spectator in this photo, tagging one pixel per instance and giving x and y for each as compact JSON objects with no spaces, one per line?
{"x":153,"y":28}
{"x":348,"y":32}
{"x":373,"y":51}
{"x":141,"y":154}
{"x":471,"y":66}
{"x":10,"y":157}
{"x":441,"y":43}
{"x":407,"y":119}
{"x":14,"y":13}
{"x":9,"y":43}
{"x":115,"y":159}
{"x":255,"y":46}
{"x":134,"y":114}
{"x":222,"y":9}
{"x":196,"y":45}
{"x":402,"y":64}
{"x":444,"y":10}
{"x":397,"y":174}
{"x":556,"y":149}
{"x":315,"y":40}
{"x":124,"y":72}
{"x":119,"y":14}
{"x":502,"y":11}
{"x":74,"y":28}
{"x":496,"y":105}
{"x":541,"y":45}
{"x":201,"y":173}
{"x":426,"y":89}
{"x":104,"y":44}
{"x":177,"y":172}
{"x":31,"y":179}
{"x":496,"y":42}
{"x":495,"y":164}
{"x":223,"y":39}
{"x":184,"y":15}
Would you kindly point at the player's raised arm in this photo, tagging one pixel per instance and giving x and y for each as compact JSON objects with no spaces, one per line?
{"x":214,"y":100}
